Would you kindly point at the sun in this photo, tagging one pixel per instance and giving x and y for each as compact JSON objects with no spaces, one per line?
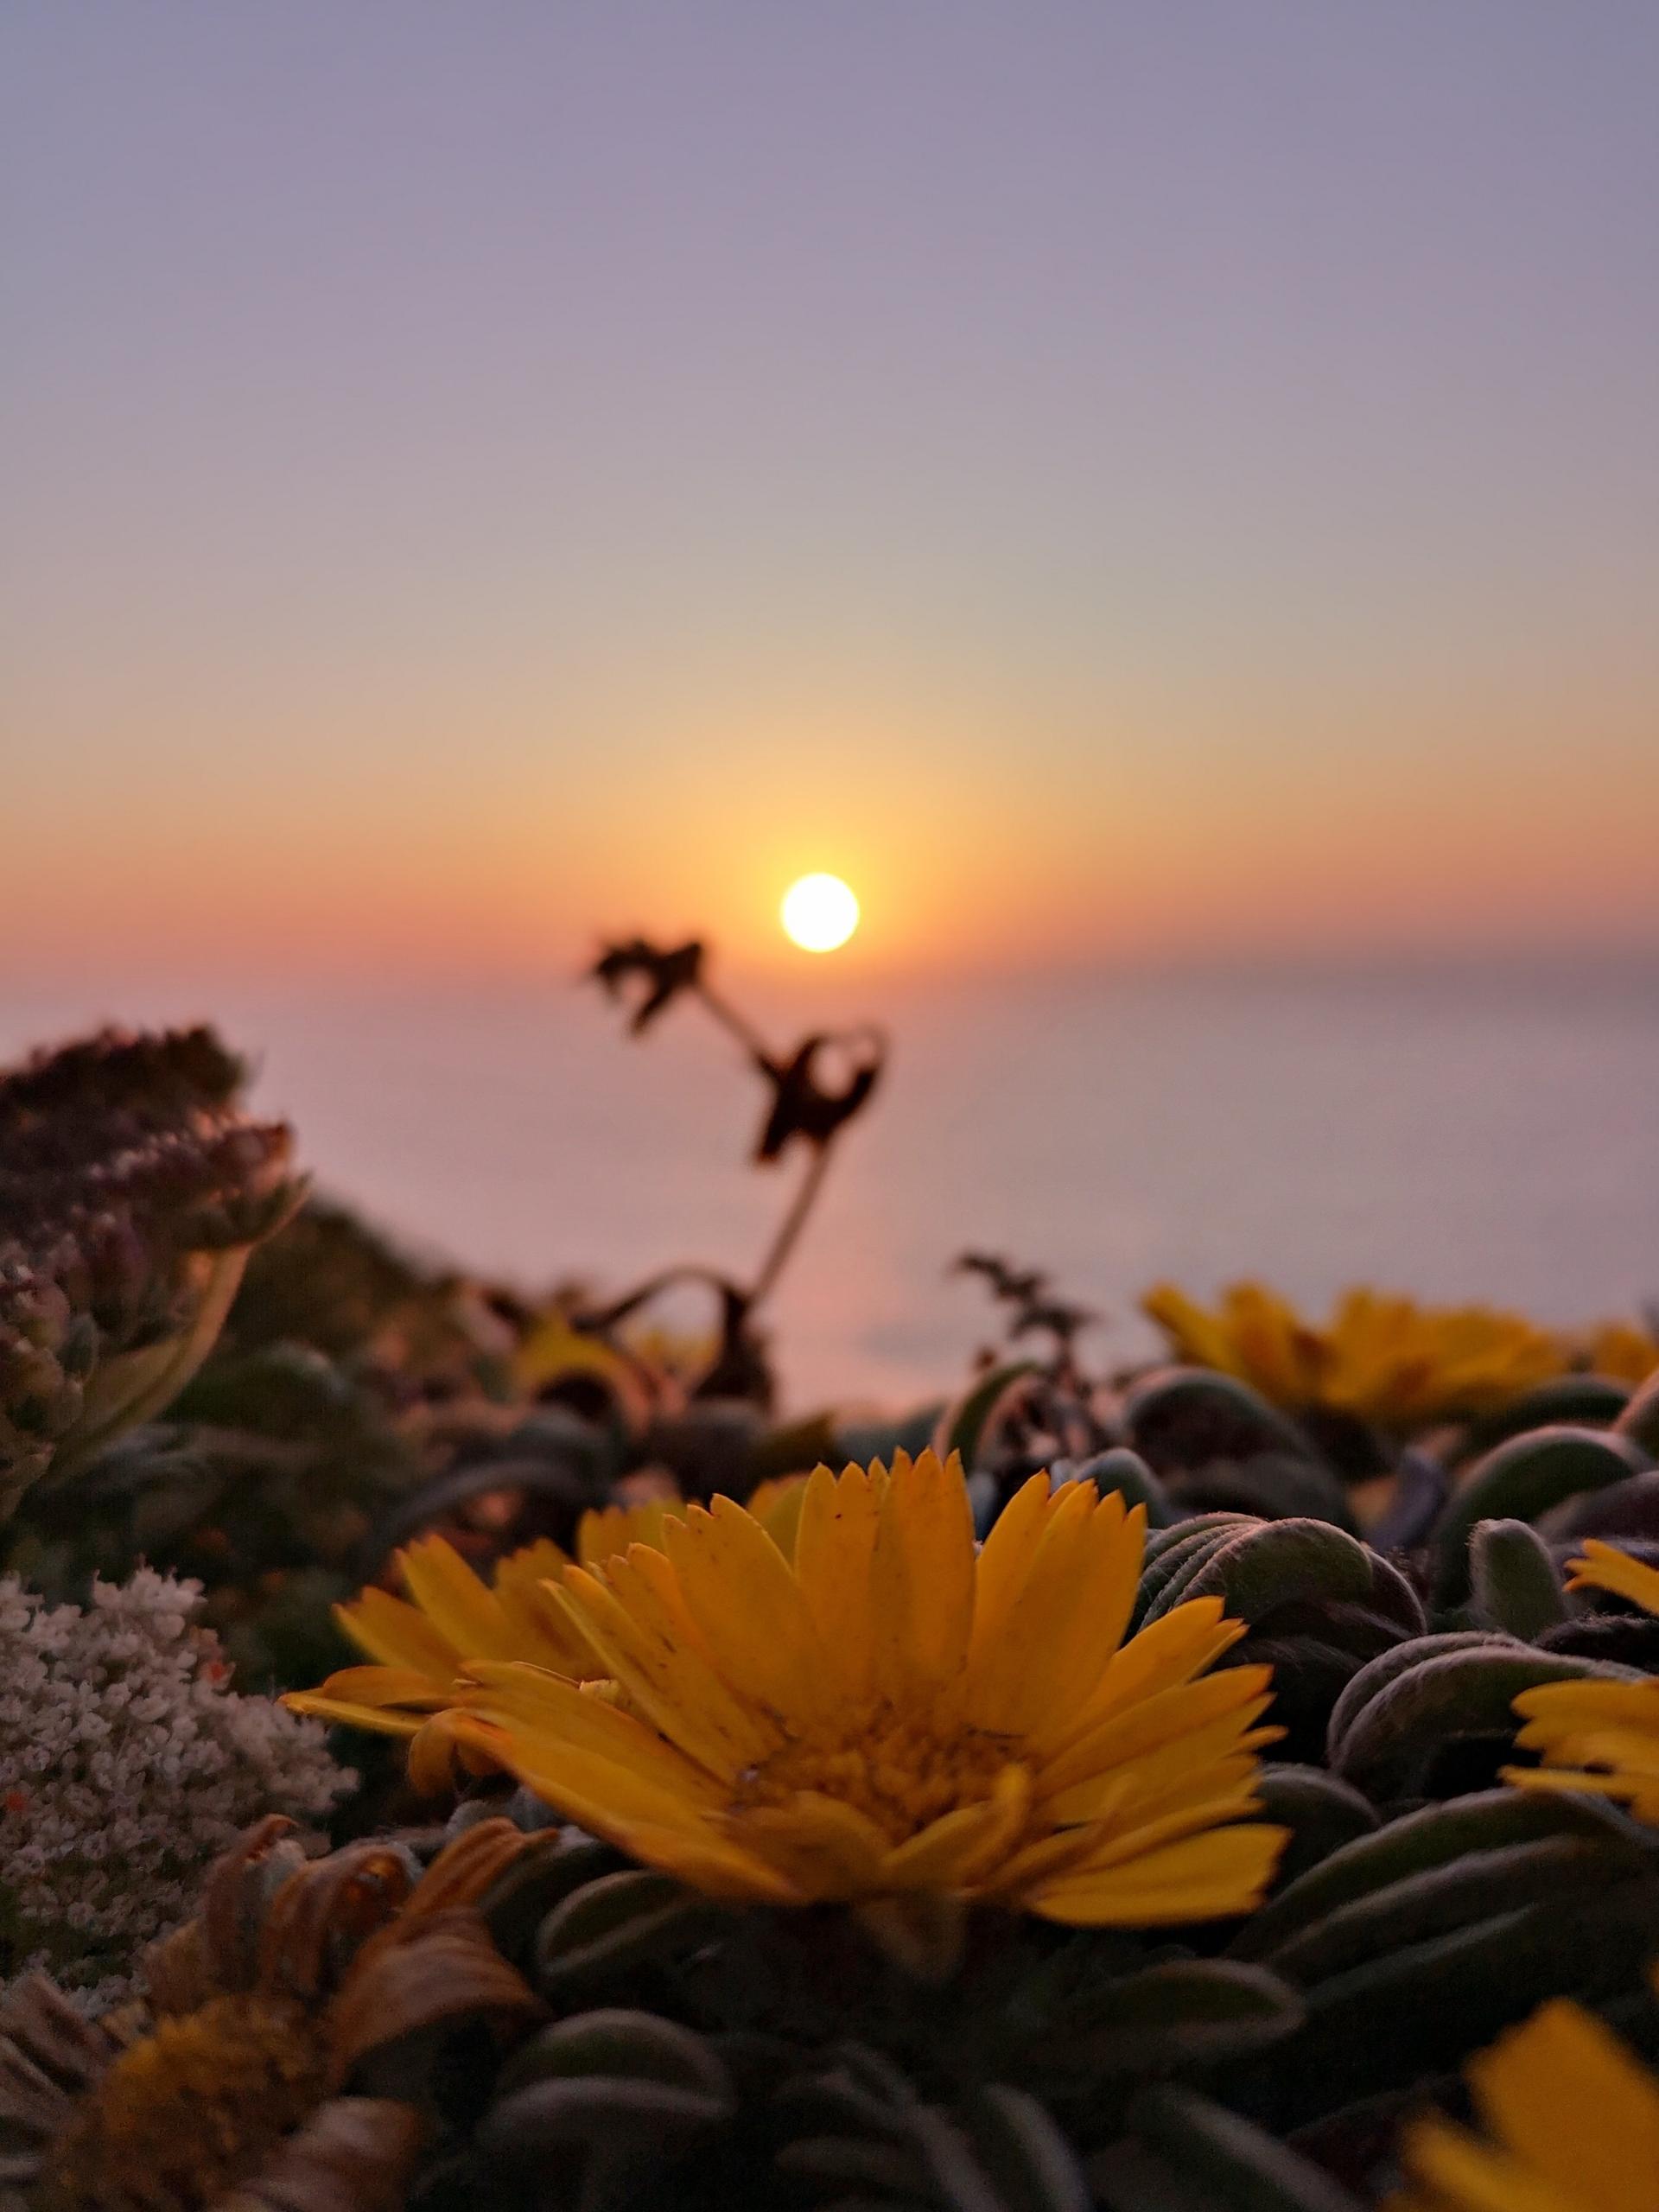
{"x":819,"y":912}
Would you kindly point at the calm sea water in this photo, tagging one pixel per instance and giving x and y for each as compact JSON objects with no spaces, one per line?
{"x":1469,"y":1134}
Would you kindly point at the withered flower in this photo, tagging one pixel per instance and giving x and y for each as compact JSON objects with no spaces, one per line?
{"x":237,"y":2084}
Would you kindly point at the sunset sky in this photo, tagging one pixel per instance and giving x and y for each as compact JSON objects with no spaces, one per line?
{"x":1109,"y":481}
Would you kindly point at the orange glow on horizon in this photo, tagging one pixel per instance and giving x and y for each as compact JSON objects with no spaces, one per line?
{"x":968,"y":855}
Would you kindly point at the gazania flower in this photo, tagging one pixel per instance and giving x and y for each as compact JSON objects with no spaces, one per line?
{"x":608,"y":1530}
{"x":1385,"y":1360}
{"x":1602,"y":1737}
{"x":889,"y":1717}
{"x":417,"y":1648}
{"x":225,"y":2088}
{"x":1571,"y":2121}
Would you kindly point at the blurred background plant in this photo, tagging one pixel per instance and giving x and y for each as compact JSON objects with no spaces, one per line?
{"x":807,"y":1110}
{"x":133,"y":1190}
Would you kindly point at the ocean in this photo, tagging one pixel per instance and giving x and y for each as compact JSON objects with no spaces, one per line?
{"x":1476,"y":1133}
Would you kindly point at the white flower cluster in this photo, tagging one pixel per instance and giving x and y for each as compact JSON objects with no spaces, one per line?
{"x":126,"y":1765}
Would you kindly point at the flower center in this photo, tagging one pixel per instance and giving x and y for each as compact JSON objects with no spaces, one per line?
{"x":189,"y":2111}
{"x":895,"y":1770}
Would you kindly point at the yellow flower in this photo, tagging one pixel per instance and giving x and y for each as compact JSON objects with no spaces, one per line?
{"x":1572,"y":2125}
{"x":1602,"y":1737}
{"x":647,"y":1368}
{"x":418,"y":1649}
{"x":607,"y":1530}
{"x":1387,"y":1360}
{"x":777,"y":1503}
{"x":1624,"y":1350}
{"x":889,"y":1716}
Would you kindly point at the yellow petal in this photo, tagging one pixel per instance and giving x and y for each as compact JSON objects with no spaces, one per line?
{"x":1013,"y":1675}
{"x":1222,"y":1872}
{"x":1121,"y":1845}
{"x":922,"y":1582}
{"x":378,"y":1719}
{"x":1465,"y":2176}
{"x":453,"y":1599}
{"x":823,"y":1847}
{"x":1162,"y":1656}
{"x":552,"y":1720}
{"x":603,"y":1532}
{"x":1184,"y":1760}
{"x":1004,"y":1562}
{"x":609,"y":1796}
{"x":1072,"y":1660}
{"x":397,"y":1635}
{"x":766,"y":1645}
{"x":775,"y":1504}
{"x":834,"y":1547}
{"x":718,"y":1870}
{"x":1604,"y":1567}
{"x":1194,"y":1336}
{"x":1155,"y":1721}
{"x":1563,"y":2094}
{"x":431,"y":1757}
{"x":633,"y":1623}
{"x":951,"y":1852}
{"x":388,"y":1686}
{"x":1588,"y":1703}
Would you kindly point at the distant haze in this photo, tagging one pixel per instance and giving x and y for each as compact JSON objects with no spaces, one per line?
{"x":1110,"y":477}
{"x":1472,"y":1134}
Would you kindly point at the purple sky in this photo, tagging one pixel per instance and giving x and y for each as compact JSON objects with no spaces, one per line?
{"x":1202,"y":460}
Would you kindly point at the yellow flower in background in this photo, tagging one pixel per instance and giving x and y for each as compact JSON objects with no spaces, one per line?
{"x":1385,"y":1360}
{"x":1571,"y":2121}
{"x":418,"y":1649}
{"x":645,"y":1367}
{"x":892,"y":1716}
{"x":1255,"y":1336}
{"x":553,"y":1349}
{"x":1599,"y":1736}
{"x":1624,"y":1350}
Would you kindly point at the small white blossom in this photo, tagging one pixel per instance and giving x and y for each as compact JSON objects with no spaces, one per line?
{"x":126,"y":1765}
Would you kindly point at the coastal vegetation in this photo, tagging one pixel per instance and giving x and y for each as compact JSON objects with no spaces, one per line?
{"x":469,"y":1742}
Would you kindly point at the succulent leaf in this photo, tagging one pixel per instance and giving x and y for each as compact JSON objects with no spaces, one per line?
{"x":1187,"y":1416}
{"x":1516,"y":1587}
{"x":1394,"y":1736}
{"x":1432,"y":1836}
{"x":1217,"y":2161}
{"x":1523,"y":1478}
